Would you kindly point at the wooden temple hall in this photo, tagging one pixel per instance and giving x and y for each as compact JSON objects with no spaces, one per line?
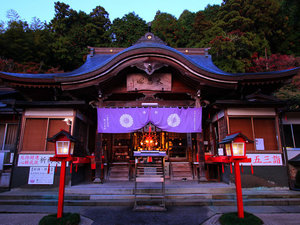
{"x":148,"y":97}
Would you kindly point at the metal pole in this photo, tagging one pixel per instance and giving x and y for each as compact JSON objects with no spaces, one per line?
{"x":238,"y":186}
{"x":61,"y":192}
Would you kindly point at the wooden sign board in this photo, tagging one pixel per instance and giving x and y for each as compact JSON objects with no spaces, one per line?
{"x":154,"y":82}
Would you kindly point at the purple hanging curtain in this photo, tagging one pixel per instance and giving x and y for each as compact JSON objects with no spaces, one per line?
{"x":127,"y":120}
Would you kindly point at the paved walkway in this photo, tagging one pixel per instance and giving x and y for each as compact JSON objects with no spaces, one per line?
{"x":121,"y":215}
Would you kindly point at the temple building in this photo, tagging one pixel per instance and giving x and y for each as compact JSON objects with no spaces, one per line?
{"x":145,"y":97}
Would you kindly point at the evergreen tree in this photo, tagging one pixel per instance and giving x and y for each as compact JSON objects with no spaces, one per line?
{"x":74,"y":31}
{"x":127,"y":30}
{"x":165,"y":26}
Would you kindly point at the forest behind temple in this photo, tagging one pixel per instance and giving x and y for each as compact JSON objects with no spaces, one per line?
{"x":243,"y":35}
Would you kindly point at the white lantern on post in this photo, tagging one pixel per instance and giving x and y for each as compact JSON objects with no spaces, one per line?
{"x":235,"y":145}
{"x":64,"y":144}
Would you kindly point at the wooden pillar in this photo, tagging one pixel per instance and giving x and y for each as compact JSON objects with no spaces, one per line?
{"x":98,"y":147}
{"x":201,"y":154}
{"x":98,"y":158}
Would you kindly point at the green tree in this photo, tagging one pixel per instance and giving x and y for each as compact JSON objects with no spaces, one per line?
{"x":185,"y":26}
{"x":232,"y":52}
{"x":200,"y":27}
{"x":211,"y":11}
{"x":74,"y":31}
{"x":15,"y":42}
{"x":290,"y":11}
{"x":261,"y":17}
{"x":127,"y":30}
{"x":165,"y":26}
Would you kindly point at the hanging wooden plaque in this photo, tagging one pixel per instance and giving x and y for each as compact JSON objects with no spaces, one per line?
{"x":154,"y":82}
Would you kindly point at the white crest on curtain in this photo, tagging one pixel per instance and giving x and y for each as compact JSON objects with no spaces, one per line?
{"x":126,"y":120}
{"x":174,"y":120}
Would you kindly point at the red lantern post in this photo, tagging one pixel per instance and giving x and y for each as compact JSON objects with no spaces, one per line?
{"x":61,"y":192}
{"x":235,"y":152}
{"x":238,"y":187}
{"x":64,"y":147}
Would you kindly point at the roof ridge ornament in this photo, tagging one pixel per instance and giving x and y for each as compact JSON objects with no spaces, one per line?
{"x":150,"y":37}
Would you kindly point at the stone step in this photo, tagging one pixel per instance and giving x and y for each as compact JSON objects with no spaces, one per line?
{"x":43,"y":197}
{"x":118,"y":178}
{"x":118,"y":168}
{"x":125,"y":190}
{"x":149,"y":208}
{"x":182,"y":178}
{"x":169,"y":201}
{"x":119,"y":173}
{"x":181,"y":171}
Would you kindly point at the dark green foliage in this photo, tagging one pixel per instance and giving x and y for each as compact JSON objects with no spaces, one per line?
{"x":184,"y":22}
{"x":166,"y":27}
{"x":74,"y":31}
{"x":127,"y":30}
{"x":67,"y":219}
{"x":237,"y":31}
{"x":232,"y":219}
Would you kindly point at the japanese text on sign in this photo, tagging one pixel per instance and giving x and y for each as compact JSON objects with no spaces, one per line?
{"x":40,"y":175}
{"x":36,"y":160}
{"x":264,"y":160}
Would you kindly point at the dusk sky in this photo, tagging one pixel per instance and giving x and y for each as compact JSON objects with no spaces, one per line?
{"x":44,"y":9}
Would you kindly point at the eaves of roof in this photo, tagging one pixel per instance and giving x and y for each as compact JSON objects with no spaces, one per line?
{"x":104,"y":62}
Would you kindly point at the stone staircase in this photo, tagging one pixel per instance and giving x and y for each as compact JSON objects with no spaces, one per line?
{"x":183,"y":193}
{"x":119,"y":172}
{"x":171,"y":199}
{"x":181,"y":171}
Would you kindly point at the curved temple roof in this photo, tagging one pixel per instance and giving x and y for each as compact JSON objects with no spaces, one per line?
{"x":199,"y":65}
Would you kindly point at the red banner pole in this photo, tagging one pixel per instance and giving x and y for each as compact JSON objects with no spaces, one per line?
{"x":61,"y":192}
{"x":238,"y":186}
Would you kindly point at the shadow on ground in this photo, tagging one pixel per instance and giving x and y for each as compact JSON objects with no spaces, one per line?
{"x":112,"y":215}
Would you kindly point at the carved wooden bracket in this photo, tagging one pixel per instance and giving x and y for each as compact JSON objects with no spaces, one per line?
{"x":149,"y":67}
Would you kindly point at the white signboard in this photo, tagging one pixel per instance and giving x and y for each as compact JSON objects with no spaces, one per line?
{"x":39,"y":175}
{"x":264,"y":160}
{"x":1,"y":160}
{"x":220,"y":151}
{"x":36,"y":160}
{"x":259,"y":144}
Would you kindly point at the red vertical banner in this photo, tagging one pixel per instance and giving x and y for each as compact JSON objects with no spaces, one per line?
{"x":71,"y":167}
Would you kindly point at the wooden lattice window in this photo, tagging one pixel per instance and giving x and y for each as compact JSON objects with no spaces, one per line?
{"x":256,"y":128}
{"x":37,"y":130}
